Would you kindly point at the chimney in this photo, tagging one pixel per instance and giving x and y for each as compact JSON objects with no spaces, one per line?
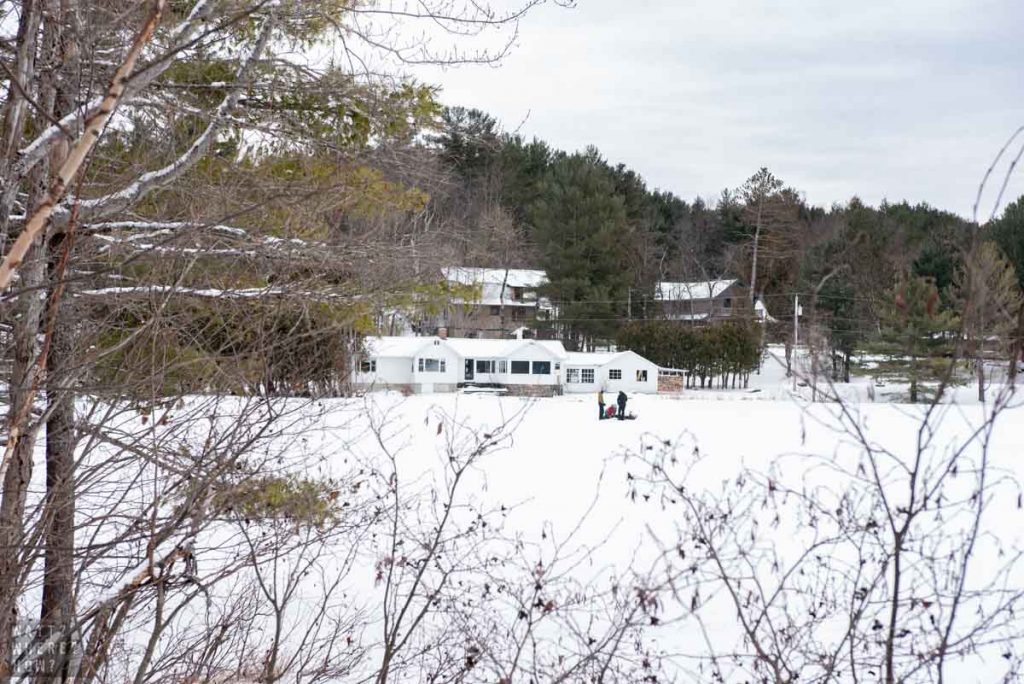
{"x":442,"y":333}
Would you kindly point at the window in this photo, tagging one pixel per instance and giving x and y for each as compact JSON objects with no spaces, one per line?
{"x":615,"y":374}
{"x":517,"y":293}
{"x":503,"y":366}
{"x":369,"y":366}
{"x":495,"y":310}
{"x":485,"y":366}
{"x":542,"y":368}
{"x":641,"y":376}
{"x":587,"y":375}
{"x":520,"y":368}
{"x":728,"y":303}
{"x":572,"y":375}
{"x":431,"y":365}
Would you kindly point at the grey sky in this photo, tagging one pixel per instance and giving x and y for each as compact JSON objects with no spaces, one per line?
{"x":897,"y":99}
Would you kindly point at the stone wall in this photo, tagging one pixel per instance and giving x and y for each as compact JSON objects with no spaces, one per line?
{"x":671,"y":384}
{"x":533,"y":390}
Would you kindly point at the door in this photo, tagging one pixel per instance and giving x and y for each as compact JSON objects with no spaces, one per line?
{"x":469,"y":370}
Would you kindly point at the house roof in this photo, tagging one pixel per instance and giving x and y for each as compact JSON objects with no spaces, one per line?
{"x":684,"y":292}
{"x":497,"y":349}
{"x":598,"y":358}
{"x":397,"y":347}
{"x":409,"y":347}
{"x":512,"y":277}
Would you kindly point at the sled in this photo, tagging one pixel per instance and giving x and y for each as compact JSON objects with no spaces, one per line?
{"x":610,"y":413}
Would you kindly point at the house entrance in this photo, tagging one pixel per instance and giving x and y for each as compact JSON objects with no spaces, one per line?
{"x":469,"y":370}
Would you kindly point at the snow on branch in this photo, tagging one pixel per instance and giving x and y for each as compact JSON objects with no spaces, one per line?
{"x":217,"y":293}
{"x":32,"y":153}
{"x":94,"y":127}
{"x":165,"y":227}
{"x":152,"y":180}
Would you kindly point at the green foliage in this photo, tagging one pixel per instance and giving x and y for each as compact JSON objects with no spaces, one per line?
{"x":986,"y":293}
{"x":201,"y":344}
{"x":581,"y":227}
{"x":290,"y":498}
{"x":1008,"y":233}
{"x":919,"y":335}
{"x":725,"y":353}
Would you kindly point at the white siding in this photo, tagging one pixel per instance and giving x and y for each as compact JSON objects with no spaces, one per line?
{"x":452,"y":369}
{"x":390,"y":371}
{"x":628,"y":363}
{"x":528,"y":352}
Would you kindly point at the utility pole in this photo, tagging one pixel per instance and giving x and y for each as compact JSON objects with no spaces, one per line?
{"x":796,"y":333}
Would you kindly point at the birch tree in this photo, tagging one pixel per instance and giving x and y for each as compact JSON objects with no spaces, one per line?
{"x":88,"y":87}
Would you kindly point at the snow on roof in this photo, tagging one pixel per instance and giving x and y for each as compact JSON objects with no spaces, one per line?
{"x":497,"y":349}
{"x":761,"y":311}
{"x":512,"y":277}
{"x":684,"y":292}
{"x":397,"y":347}
{"x":591,"y":358}
{"x":409,"y":347}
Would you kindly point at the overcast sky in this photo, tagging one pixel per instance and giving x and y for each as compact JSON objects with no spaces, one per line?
{"x":897,"y":99}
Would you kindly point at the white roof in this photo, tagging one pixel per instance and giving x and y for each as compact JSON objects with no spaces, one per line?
{"x":598,"y":358}
{"x":471,"y":348}
{"x":762,"y":311}
{"x":684,"y":292}
{"x":512,"y":277}
{"x":409,"y":347}
{"x":397,"y":347}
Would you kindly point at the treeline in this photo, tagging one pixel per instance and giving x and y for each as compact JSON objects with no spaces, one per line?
{"x":605,"y":238}
{"x":721,"y":356}
{"x":347,"y":240}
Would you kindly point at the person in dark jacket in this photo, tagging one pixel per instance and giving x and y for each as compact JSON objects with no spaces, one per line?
{"x":600,"y":404}
{"x":621,"y":401}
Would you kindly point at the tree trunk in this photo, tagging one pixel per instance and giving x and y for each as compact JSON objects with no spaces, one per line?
{"x":980,"y":367}
{"x":59,"y":512}
{"x":21,"y":431}
{"x":757,"y":239}
{"x":15,"y":107}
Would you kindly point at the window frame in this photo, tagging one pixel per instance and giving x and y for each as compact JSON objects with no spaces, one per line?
{"x":368,"y":366}
{"x":614,"y":373}
{"x":572,"y":376}
{"x":585,"y":373}
{"x":423,"y":365}
{"x":535,"y":364}
{"x":641,"y":375}
{"x":520,"y":364}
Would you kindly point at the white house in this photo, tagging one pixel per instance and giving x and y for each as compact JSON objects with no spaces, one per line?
{"x":612,"y":371}
{"x":504,"y":300}
{"x":439,"y":364}
{"x":514,"y":364}
{"x":412,"y":364}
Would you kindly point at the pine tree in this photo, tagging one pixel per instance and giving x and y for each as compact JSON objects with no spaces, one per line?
{"x":986,"y":293}
{"x":918,"y":335}
{"x":581,"y":227}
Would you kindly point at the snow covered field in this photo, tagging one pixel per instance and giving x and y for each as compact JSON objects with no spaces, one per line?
{"x":590,"y":517}
{"x":565,"y":475}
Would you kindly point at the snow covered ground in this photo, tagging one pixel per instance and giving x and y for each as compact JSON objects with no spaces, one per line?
{"x":567,"y":486}
{"x":566,"y":474}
